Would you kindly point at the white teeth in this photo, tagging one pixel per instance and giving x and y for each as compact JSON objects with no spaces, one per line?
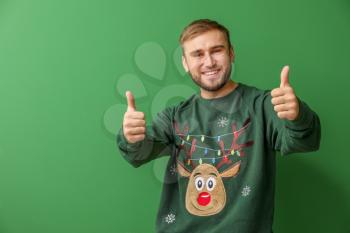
{"x":210,"y":72}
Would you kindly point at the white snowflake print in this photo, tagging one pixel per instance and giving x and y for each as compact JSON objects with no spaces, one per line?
{"x":172,"y":169}
{"x":170,"y":218}
{"x":222,"y":121}
{"x":246,"y":191}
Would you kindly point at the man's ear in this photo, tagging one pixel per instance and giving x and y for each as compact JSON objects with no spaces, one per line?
{"x":232,"y":55}
{"x":184,"y":63}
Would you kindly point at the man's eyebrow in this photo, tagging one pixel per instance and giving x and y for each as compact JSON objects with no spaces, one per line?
{"x":195,"y":51}
{"x":217,"y":47}
{"x":212,"y":173}
{"x":211,"y":48}
{"x":196,"y":174}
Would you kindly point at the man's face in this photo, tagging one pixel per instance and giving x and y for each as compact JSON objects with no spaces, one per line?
{"x":208,"y":59}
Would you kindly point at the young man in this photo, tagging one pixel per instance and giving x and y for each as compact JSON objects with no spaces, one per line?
{"x":222,"y":141}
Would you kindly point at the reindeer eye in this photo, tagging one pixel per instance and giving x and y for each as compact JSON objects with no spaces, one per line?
{"x":199,"y":182}
{"x":211,"y":182}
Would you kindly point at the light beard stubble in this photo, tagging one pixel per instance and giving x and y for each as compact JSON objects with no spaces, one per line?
{"x":218,"y":86}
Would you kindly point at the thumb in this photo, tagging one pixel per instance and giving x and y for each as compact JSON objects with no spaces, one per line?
{"x":284,"y":77}
{"x":131,"y":101}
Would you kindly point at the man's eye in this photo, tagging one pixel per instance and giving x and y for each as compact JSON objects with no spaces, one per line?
{"x":217,"y":51}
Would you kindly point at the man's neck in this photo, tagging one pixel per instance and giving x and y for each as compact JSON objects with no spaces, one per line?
{"x":225,"y":90}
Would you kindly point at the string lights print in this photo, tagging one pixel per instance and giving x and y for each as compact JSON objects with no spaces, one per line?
{"x":206,"y":161}
{"x":190,"y":143}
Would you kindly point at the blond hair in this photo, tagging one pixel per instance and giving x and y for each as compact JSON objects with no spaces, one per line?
{"x":201,"y":26}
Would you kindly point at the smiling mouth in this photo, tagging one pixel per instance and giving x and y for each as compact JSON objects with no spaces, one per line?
{"x":211,"y":73}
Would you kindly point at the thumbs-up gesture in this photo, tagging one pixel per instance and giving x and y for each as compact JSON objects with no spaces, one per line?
{"x":284,"y":100}
{"x":134,"y":124}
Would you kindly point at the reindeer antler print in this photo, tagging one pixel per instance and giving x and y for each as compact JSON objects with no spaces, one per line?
{"x":236,"y":133}
{"x":205,"y":194}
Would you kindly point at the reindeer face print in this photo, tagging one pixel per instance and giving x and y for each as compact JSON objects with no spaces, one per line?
{"x":206,"y":193}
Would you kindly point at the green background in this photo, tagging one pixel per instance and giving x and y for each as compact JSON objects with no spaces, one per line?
{"x":60,"y":63}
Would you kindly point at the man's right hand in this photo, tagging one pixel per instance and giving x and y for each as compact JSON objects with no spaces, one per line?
{"x":134,"y":124}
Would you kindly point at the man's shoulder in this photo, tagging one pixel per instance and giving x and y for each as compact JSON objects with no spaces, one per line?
{"x":253,"y":94}
{"x":182,"y":105}
{"x":250,"y":90}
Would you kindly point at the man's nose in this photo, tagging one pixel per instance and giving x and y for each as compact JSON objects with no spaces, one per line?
{"x":209,"y":61}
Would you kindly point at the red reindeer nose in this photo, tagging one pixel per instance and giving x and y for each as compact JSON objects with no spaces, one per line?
{"x":203,"y":198}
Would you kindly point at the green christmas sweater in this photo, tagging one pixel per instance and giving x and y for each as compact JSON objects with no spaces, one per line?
{"x":221,"y":172}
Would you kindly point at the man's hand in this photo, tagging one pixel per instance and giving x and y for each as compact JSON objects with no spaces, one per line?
{"x":134,"y":124}
{"x":283,"y":98}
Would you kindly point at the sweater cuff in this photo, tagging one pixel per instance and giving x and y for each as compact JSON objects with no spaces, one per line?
{"x":303,"y":120}
{"x":125,"y":145}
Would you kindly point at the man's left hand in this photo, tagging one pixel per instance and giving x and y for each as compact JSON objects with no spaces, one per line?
{"x":284,"y":100}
